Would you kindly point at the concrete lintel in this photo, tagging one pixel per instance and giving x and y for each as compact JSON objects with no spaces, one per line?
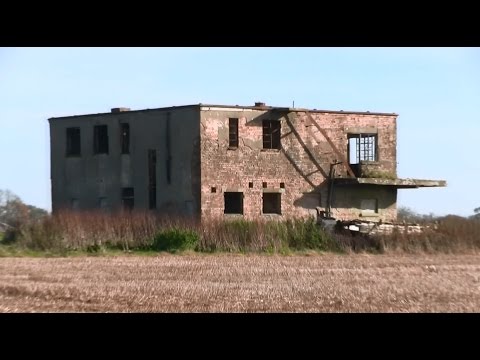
{"x":399,"y":183}
{"x":232,"y":189}
{"x":361,"y":130}
{"x":273,"y":190}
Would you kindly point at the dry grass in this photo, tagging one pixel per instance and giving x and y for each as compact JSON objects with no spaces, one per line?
{"x":142,"y":230}
{"x":242,"y":283}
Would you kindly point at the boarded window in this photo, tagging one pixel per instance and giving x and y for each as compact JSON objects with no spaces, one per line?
{"x":271,"y":134}
{"x":125,"y":138}
{"x":73,"y":141}
{"x":362,"y":147}
{"x":369,"y":206}
{"x":233,"y":202}
{"x":272,"y":203}
{"x":152,"y":179}
{"x":128,"y":198}
{"x":233,"y":132}
{"x":100,"y":139}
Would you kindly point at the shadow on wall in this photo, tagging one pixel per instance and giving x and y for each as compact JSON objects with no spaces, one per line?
{"x":314,"y":199}
{"x":269,"y":115}
{"x":278,"y":115}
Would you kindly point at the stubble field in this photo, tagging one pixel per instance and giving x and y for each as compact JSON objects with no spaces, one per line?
{"x":242,"y":283}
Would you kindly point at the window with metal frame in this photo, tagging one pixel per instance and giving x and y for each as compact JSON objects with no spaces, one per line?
{"x":233,"y":133}
{"x":362,"y":147}
{"x":271,"y":134}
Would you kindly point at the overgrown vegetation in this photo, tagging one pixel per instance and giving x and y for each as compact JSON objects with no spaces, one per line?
{"x":97,"y":232}
{"x":175,"y":239}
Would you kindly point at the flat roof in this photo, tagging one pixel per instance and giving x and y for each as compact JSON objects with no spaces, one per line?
{"x":234,"y":107}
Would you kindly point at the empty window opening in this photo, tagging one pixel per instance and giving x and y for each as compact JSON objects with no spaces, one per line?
{"x":168,"y":149}
{"x":73,"y":141}
{"x":264,"y":185}
{"x":233,"y":202}
{"x":125,"y":138}
{"x":250,"y":185}
{"x":214,"y":189}
{"x":362,"y":147}
{"x":282,"y":185}
{"x":152,"y":179}
{"x":100,"y":139}
{"x":233,"y":132}
{"x":369,"y":206}
{"x":272,"y":203}
{"x":74,"y":204}
{"x":271,"y":134}
{"x":128,"y":198}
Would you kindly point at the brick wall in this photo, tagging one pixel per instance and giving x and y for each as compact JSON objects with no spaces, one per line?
{"x":302,"y":164}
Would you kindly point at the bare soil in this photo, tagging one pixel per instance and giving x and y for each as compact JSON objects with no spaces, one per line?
{"x":242,"y":283}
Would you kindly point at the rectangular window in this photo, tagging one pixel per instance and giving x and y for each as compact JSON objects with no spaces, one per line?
{"x":272,"y":203}
{"x":362,"y":147}
{"x":125,"y":138}
{"x":233,"y":133}
{"x":152,"y":179}
{"x":100,"y":139}
{"x":271,"y":134}
{"x":168,"y":149}
{"x":128,"y":198}
{"x":369,"y":206}
{"x":73,"y":141}
{"x":233,"y":202}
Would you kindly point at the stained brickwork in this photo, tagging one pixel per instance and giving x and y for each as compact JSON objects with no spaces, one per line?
{"x":196,"y":164}
{"x":302,"y":164}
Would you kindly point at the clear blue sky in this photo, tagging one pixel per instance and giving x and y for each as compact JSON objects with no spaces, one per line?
{"x":436,"y":92}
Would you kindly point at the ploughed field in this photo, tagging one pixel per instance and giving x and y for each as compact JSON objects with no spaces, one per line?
{"x":242,"y":283}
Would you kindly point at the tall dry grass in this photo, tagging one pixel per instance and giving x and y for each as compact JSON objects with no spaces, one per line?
{"x":93,"y":231}
{"x":448,"y":235}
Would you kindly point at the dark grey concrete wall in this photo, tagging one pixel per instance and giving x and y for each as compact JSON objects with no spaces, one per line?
{"x":90,"y":176}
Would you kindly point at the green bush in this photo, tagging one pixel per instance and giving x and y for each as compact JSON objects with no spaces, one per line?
{"x":306,"y":234}
{"x":175,"y":239}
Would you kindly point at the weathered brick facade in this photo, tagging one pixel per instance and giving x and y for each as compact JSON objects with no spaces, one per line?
{"x":267,"y":162}
{"x":302,"y":164}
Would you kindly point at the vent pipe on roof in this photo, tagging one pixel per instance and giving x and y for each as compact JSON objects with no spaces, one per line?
{"x":120,"y":109}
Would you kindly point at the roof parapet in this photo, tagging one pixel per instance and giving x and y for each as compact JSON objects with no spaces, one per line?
{"x":120,"y":109}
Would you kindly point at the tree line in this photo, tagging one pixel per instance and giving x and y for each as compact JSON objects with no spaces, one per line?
{"x":14,"y":212}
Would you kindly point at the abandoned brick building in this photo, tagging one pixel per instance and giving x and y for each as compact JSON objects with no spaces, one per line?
{"x":215,"y":160}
